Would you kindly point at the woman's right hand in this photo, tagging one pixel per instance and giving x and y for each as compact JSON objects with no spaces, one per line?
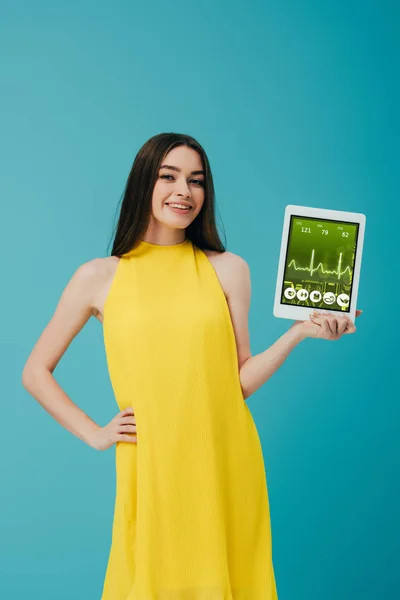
{"x":119,"y":429}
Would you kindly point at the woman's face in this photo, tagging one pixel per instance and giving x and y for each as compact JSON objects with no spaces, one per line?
{"x":184,"y":183}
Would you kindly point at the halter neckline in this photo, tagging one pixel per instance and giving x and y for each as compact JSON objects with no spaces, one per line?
{"x":144,"y":243}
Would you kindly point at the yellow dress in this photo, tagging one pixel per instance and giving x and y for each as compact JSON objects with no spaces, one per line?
{"x":191,"y":515}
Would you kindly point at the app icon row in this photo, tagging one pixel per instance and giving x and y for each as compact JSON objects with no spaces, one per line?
{"x":315,"y":296}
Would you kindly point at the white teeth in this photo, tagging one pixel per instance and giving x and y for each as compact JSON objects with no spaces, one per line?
{"x":180,"y":206}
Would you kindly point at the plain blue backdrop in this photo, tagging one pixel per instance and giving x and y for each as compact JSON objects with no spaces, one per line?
{"x":295,"y":103}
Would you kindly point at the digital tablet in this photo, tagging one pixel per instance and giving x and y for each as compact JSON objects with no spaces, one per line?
{"x":319,"y":262}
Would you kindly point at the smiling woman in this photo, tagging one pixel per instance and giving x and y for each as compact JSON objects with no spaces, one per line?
{"x":191,"y":516}
{"x":192,"y":512}
{"x":192,"y":194}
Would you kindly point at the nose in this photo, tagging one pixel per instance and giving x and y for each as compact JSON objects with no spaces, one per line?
{"x":183,"y":189}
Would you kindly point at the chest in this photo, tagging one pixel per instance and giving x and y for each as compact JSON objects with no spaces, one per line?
{"x":160,"y":305}
{"x":218,"y":262}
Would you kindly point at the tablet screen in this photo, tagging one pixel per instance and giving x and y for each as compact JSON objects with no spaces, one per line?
{"x":319,"y":263}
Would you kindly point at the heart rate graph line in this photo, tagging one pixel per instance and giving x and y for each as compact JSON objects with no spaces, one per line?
{"x":312,"y":270}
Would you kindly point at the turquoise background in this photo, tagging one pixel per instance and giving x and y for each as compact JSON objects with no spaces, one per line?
{"x":294,"y":102}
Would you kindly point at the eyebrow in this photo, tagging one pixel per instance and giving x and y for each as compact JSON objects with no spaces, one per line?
{"x":179,"y":170}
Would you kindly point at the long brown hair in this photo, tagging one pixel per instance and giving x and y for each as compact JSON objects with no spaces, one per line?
{"x":136,"y":207}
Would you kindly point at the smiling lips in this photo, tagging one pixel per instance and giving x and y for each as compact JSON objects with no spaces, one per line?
{"x":177,"y":207}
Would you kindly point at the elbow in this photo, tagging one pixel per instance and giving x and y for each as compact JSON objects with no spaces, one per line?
{"x":26,"y":376}
{"x":245,"y":392}
{"x":31,"y":372}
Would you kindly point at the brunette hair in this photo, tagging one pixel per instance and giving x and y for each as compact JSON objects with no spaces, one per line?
{"x":136,"y":208}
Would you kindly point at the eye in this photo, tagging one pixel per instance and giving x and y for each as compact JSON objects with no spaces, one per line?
{"x":199,"y":181}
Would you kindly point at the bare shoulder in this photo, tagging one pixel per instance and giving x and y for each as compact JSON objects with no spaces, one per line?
{"x":90,"y":277}
{"x":231,"y":268}
{"x":78,"y":302}
{"x":93,"y":278}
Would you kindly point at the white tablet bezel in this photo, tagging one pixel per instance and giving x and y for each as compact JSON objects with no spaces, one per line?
{"x":289,"y":311}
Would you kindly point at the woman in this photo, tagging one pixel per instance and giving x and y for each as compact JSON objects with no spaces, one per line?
{"x":191,"y":516}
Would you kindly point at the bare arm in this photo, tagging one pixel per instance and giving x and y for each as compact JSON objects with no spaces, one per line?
{"x":72,"y":312}
{"x":254,"y":371}
{"x":257,"y":369}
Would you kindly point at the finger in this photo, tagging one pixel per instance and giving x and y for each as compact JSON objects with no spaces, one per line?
{"x":334,"y":325}
{"x":331,"y":323}
{"x":128,"y":420}
{"x":337,"y":324}
{"x":325,"y":327}
{"x":322,"y":320}
{"x":125,"y":437}
{"x":315,"y":319}
{"x":126,"y":428}
{"x":351,"y":328}
{"x":351,"y":324}
{"x":358,"y":313}
{"x":127,"y":411}
{"x":342,"y":324}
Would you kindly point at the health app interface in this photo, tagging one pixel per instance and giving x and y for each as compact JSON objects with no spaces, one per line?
{"x":319,"y":263}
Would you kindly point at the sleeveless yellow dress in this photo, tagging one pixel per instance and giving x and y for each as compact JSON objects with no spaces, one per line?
{"x":191,"y":515}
